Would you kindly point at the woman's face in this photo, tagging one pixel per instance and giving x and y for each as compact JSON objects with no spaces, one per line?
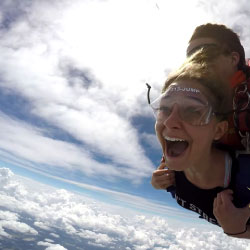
{"x":185,"y":125}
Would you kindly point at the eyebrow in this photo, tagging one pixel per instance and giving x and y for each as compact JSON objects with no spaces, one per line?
{"x":189,"y":97}
{"x":197,"y":99}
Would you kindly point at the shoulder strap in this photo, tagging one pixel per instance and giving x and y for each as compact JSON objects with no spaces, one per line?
{"x":241,"y":106}
{"x":242,"y":180}
{"x":228,"y":170}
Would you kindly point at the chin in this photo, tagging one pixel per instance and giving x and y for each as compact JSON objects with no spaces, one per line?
{"x":176,"y":167}
{"x":176,"y":164}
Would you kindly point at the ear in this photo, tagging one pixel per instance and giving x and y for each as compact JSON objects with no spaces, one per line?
{"x":220,"y":130}
{"x":235,"y":58}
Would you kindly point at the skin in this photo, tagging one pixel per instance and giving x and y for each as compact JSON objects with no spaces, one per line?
{"x":232,"y":219}
{"x":162,"y":178}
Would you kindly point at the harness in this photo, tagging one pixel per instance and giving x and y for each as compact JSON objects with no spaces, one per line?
{"x":241,"y":115}
{"x":241,"y":118}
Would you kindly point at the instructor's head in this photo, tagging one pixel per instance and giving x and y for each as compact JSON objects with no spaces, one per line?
{"x":219,"y":35}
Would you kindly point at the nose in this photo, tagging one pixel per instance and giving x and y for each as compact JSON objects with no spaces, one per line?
{"x":173,"y":121}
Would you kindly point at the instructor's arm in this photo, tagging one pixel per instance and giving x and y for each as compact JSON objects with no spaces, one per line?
{"x":233,"y":220}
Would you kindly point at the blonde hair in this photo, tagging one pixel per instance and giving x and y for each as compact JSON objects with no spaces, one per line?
{"x":200,"y":68}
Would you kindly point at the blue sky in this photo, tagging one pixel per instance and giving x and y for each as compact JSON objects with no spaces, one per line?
{"x":73,"y":107}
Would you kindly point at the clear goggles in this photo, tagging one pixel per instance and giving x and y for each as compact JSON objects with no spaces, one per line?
{"x":192,"y":105}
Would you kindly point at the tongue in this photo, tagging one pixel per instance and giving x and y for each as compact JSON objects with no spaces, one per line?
{"x":176,"y":148}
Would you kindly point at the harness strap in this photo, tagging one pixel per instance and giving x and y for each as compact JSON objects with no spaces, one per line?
{"x":228,"y":170}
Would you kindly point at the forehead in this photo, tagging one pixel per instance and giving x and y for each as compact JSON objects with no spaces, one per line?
{"x":187,"y":88}
{"x":189,"y":85}
{"x":200,"y":41}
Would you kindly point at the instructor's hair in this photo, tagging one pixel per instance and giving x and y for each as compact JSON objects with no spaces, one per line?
{"x":225,"y":37}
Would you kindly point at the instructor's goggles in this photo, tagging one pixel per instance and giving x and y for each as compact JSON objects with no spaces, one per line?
{"x":192,"y":105}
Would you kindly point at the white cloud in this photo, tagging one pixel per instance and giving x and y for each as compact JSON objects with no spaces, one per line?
{"x":8,"y":216}
{"x":133,"y":201}
{"x":88,"y":114}
{"x":41,"y":225}
{"x":49,"y":240}
{"x":33,"y":145}
{"x":54,"y":235}
{"x":95,"y":225}
{"x":98,"y":238}
{"x":50,"y":246}
{"x":9,"y":221}
{"x":151,"y":140}
{"x":18,"y":227}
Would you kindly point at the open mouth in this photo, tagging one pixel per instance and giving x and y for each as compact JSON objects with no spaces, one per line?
{"x":175,"y":146}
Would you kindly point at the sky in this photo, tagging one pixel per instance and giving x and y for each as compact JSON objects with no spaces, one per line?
{"x":77,"y":146}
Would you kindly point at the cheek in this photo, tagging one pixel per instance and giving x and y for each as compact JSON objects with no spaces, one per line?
{"x":203,"y":139}
{"x":159,"y":127}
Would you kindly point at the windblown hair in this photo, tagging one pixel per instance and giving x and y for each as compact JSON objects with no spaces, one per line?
{"x":200,"y":68}
{"x":226,"y":38}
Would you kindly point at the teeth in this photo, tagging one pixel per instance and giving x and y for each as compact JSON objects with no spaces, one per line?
{"x":173,"y":139}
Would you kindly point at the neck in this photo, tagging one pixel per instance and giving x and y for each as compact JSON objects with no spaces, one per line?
{"x":210,"y":173}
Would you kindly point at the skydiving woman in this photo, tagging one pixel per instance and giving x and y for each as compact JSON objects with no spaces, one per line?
{"x":231,"y":68}
{"x":191,"y":115}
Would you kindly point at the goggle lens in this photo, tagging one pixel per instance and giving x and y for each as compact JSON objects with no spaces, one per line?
{"x":189,"y":110}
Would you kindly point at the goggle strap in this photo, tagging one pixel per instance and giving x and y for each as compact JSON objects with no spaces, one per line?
{"x":148,"y":93}
{"x":208,"y":116}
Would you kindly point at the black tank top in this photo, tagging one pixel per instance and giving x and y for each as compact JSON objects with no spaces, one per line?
{"x":196,"y":199}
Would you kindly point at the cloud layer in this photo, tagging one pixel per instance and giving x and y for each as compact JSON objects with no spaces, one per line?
{"x":55,"y":218}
